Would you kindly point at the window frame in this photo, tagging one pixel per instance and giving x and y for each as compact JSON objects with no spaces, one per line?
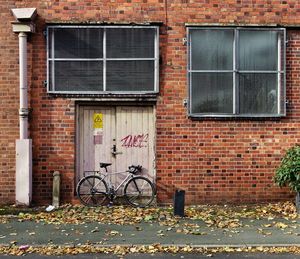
{"x":104,"y":59}
{"x":281,"y":73}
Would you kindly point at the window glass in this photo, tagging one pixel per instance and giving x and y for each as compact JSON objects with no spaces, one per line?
{"x":212,"y":92}
{"x":258,"y":93}
{"x":78,"y":43}
{"x":77,"y":75}
{"x":102,"y":59}
{"x":130,"y":43}
{"x":258,"y":50}
{"x":212,"y":49}
{"x":130,"y":75}
{"x":236,"y":72}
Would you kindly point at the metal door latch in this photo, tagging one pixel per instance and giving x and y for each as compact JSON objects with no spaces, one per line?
{"x":114,"y":151}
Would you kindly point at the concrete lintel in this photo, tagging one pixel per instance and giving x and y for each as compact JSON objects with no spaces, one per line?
{"x":104,"y":23}
{"x":230,"y":25}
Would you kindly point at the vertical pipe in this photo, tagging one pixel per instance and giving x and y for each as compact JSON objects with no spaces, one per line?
{"x":23,"y":112}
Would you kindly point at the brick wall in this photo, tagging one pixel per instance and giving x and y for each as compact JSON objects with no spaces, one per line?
{"x":9,"y":130}
{"x":213,"y":160}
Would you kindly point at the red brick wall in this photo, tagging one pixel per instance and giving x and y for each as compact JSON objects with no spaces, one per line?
{"x":9,"y":130}
{"x":213,"y":160}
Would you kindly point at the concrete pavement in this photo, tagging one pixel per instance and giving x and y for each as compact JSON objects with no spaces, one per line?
{"x":195,"y":233}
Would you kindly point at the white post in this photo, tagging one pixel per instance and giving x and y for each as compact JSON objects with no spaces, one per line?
{"x":56,"y":189}
{"x":23,"y":112}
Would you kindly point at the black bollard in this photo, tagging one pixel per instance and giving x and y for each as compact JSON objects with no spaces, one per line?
{"x":179,"y":203}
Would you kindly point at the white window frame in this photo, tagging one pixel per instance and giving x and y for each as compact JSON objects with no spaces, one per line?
{"x":281,"y":79}
{"x":103,"y":59}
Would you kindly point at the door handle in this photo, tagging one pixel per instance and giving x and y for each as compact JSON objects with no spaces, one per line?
{"x":114,"y":151}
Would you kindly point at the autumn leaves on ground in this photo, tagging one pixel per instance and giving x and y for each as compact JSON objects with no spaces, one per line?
{"x":228,"y":218}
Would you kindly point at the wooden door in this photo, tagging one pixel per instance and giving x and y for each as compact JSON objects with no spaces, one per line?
{"x":135,"y":138}
{"x":121,"y":135}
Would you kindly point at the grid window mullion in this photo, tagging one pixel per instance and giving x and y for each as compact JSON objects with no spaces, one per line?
{"x":127,"y":73}
{"x":189,"y":59}
{"x":104,"y":60}
{"x":278,"y":75}
{"x":255,"y":93}
{"x":236,"y":101}
{"x":53,"y":62}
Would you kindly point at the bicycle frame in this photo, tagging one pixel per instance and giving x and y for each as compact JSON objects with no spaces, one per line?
{"x":105,"y":175}
{"x":129,"y":175}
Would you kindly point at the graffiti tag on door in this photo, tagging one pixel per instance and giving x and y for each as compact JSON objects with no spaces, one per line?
{"x":139,"y":141}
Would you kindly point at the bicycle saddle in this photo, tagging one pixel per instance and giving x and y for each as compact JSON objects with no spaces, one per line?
{"x":104,"y":165}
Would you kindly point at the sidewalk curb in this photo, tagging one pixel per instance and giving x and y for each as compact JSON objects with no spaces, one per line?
{"x":165,"y":245}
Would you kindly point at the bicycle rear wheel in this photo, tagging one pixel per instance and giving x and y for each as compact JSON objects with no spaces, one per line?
{"x":92,"y":191}
{"x":139,"y":192}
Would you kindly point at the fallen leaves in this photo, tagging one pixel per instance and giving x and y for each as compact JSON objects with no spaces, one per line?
{"x":78,"y":214}
{"x":199,"y":221}
{"x":4,"y":219}
{"x":229,"y":219}
{"x":264,"y":232}
{"x":154,"y":248}
{"x":217,"y":216}
{"x":281,"y":225}
{"x":113,"y":233}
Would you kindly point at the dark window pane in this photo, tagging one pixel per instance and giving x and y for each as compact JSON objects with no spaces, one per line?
{"x":77,"y":75}
{"x":212,"y":93}
{"x":130,"y":76}
{"x":258,"y":93}
{"x":78,"y":43}
{"x":282,"y":95}
{"x":130,"y":43}
{"x":281,"y":50}
{"x":212,"y":49}
{"x":49,"y":39}
{"x":258,"y":50}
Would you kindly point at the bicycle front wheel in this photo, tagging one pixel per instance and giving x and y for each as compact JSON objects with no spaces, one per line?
{"x":92,"y":191}
{"x":139,"y":192}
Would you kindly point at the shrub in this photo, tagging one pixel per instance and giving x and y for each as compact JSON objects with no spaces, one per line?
{"x":288,"y":173}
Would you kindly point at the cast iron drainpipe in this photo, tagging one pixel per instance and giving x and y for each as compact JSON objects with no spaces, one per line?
{"x":23,"y":112}
{"x":23,"y":185}
{"x":23,"y":26}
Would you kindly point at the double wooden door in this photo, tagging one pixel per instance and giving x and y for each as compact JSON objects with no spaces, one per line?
{"x":121,"y":135}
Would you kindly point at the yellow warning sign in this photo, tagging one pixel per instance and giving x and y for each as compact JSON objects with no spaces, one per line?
{"x":98,"y":120}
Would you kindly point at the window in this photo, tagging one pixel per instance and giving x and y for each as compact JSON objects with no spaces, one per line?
{"x":102,"y":59}
{"x":236,"y":72}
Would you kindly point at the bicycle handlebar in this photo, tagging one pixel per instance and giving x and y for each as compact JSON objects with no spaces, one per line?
{"x":134,"y":169}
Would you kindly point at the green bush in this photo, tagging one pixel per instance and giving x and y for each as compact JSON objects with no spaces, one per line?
{"x":288,"y":173}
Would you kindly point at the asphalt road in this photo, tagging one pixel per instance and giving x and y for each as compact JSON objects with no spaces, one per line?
{"x":164,"y":256}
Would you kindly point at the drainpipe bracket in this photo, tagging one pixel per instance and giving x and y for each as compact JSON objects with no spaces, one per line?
{"x":24,"y":112}
{"x":23,"y":27}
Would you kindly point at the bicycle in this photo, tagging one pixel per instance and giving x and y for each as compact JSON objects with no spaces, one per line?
{"x":94,"y":190}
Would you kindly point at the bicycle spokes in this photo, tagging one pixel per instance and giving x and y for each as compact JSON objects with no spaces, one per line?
{"x":92,"y":191}
{"x":139,"y":192}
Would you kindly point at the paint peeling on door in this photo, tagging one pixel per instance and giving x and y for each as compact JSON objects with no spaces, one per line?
{"x":139,"y":141}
